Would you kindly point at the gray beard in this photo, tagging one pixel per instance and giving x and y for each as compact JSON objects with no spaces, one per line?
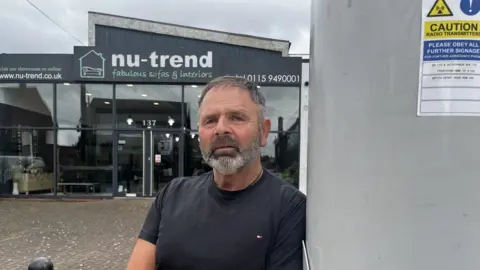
{"x":228,"y":165}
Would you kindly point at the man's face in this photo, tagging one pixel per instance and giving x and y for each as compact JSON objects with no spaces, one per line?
{"x":231,"y":132}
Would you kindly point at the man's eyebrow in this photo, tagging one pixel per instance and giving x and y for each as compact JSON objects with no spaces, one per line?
{"x":209,"y":115}
{"x":241,"y":111}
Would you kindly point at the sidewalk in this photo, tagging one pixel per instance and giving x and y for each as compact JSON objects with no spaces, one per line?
{"x":76,"y":235}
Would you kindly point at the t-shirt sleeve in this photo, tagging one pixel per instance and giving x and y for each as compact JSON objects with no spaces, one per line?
{"x":287,"y":252}
{"x":149,"y":231}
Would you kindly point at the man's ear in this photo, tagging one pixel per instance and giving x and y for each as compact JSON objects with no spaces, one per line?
{"x":266,"y":126}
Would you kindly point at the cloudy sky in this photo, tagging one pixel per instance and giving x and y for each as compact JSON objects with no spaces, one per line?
{"x":25,"y":30}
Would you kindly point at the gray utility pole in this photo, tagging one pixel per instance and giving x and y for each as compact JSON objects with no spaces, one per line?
{"x":387,"y":189}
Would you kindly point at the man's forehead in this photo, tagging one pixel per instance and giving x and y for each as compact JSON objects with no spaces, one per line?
{"x":231,"y":95}
{"x":215,"y":109}
{"x":219,"y":108}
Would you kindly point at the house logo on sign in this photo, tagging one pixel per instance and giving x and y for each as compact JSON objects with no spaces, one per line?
{"x":92,"y":65}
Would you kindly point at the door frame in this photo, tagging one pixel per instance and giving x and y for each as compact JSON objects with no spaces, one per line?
{"x":147,"y":178}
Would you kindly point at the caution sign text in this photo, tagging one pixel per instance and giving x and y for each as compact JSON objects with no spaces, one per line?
{"x":451,"y":29}
{"x":440,"y":9}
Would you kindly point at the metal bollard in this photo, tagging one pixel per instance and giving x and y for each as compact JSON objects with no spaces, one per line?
{"x":41,"y":263}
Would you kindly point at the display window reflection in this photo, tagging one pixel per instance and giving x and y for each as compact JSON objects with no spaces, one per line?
{"x":149,"y":106}
{"x":283,"y":104}
{"x":281,"y":155}
{"x":84,"y":105}
{"x":85,"y":165}
{"x":191,"y":96}
{"x":26,"y":161}
{"x":26,"y":104}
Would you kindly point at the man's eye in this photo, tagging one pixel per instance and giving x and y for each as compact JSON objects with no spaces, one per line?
{"x":237,"y":118}
{"x":208,"y":121}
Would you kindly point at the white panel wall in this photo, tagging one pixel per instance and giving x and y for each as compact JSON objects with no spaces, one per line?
{"x":388,"y":190}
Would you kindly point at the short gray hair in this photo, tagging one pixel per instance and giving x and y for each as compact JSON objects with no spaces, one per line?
{"x":244,"y":84}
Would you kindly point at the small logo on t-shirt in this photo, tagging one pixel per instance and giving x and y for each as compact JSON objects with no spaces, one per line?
{"x":259,"y":236}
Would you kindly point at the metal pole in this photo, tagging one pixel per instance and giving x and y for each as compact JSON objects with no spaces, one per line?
{"x":386,"y":189}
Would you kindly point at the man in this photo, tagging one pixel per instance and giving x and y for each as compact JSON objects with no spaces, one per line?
{"x":238,"y":216}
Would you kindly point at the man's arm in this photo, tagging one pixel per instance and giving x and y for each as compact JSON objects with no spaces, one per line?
{"x":287,"y":252}
{"x":143,"y":254}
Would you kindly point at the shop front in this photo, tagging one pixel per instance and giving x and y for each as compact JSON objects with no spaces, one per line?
{"x":118,"y":117}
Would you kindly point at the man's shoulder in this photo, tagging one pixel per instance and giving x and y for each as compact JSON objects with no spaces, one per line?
{"x":190,"y":183}
{"x":288,"y":194}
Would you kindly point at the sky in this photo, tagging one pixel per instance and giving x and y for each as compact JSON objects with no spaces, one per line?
{"x":25,"y":30}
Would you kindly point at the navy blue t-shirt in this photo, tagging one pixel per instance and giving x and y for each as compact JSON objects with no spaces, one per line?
{"x":196,"y":225}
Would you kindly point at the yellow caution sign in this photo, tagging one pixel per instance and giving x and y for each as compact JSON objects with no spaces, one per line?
{"x":451,"y":29}
{"x":440,"y":9}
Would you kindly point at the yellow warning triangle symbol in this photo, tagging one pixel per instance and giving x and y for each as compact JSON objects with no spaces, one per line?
{"x":440,"y":9}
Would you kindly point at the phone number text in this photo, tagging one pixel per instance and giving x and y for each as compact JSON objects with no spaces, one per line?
{"x":271,"y":78}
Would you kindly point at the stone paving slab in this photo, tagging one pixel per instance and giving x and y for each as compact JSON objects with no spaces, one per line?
{"x":75,"y":235}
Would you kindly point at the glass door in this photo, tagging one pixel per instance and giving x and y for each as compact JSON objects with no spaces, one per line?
{"x":166,"y":159}
{"x":132,"y":162}
{"x":148,"y":161}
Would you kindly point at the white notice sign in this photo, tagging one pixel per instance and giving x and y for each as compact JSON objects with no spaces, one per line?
{"x":449,"y":81}
{"x":158,"y":158}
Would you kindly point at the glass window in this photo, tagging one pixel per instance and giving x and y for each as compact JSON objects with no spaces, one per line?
{"x":26,"y":161}
{"x":193,"y":161}
{"x":281,"y":155}
{"x":26,"y":105}
{"x":84,"y":162}
{"x":84,"y":105}
{"x":149,"y":106}
{"x":191,"y":95}
{"x":283,"y":105}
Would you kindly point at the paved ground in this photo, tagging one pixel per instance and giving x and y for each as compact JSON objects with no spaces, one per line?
{"x":76,"y":235}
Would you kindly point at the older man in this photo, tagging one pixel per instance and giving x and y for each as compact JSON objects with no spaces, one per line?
{"x":239,"y":216}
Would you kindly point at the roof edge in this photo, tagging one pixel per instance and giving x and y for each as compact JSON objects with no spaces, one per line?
{"x":97,"y":18}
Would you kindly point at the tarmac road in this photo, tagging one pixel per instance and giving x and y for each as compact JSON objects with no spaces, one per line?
{"x":75,"y":235}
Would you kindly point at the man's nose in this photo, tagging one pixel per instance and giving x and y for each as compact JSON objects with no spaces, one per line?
{"x":222,"y":126}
